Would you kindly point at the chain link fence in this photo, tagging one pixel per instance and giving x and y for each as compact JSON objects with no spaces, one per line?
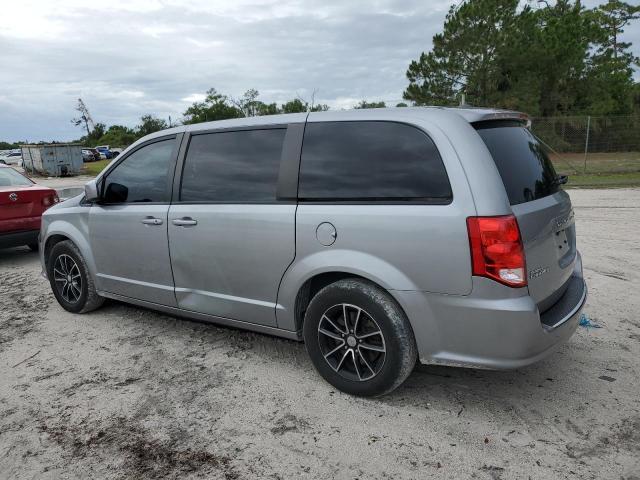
{"x":591,"y":144}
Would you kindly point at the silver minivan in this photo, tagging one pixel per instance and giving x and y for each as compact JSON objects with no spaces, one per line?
{"x":378,"y":237}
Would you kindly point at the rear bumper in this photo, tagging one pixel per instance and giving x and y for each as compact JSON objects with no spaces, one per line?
{"x":487,"y":330}
{"x":17,"y":239}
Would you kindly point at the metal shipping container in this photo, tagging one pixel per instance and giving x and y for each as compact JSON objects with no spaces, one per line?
{"x":56,"y":160}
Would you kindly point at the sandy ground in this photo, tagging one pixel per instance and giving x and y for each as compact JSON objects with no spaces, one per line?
{"x":129,"y":393}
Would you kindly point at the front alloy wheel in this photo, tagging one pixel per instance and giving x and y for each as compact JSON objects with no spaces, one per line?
{"x":70,"y":280}
{"x":67,"y":278}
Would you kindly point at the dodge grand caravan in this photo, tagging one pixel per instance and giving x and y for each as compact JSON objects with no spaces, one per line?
{"x":378,"y":237}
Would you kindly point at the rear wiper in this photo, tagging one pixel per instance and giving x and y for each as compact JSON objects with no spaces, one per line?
{"x":561,"y":179}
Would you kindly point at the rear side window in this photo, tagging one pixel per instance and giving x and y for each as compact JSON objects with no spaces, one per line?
{"x":10,"y":178}
{"x":525,"y":168}
{"x":371,"y":161}
{"x":229,"y":167}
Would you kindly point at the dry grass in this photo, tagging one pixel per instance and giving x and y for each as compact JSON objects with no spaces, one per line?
{"x":94,"y":168}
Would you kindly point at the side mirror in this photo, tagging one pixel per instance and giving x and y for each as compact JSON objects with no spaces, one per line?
{"x":116,"y":193}
{"x":91,"y":191}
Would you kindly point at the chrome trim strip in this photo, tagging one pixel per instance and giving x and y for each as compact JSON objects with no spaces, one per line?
{"x":223,"y":296}
{"x":134,"y":282}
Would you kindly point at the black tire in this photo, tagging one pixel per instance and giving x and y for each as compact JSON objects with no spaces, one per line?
{"x":87,"y":298}
{"x":33,"y":247}
{"x":367,"y":372}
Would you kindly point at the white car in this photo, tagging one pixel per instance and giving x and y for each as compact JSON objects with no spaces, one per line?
{"x":13,"y":157}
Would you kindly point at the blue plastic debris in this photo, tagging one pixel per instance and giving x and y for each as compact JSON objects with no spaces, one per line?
{"x":586,"y":322}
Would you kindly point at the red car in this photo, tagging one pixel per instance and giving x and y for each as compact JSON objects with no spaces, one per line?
{"x":21,"y":205}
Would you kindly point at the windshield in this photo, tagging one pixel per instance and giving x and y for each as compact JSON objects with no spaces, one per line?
{"x":10,"y":178}
{"x":523,"y":163}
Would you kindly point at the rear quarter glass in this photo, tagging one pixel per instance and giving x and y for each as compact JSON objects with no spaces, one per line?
{"x":522,"y":161}
{"x":371,"y":160}
{"x":11,"y":178}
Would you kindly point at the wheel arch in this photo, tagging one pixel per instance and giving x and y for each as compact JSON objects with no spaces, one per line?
{"x":61,"y":231}
{"x":51,"y":242}
{"x":310,"y":288}
{"x":327,"y":266}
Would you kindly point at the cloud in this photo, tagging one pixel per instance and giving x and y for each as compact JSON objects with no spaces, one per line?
{"x":127,"y":58}
{"x":194,"y":97}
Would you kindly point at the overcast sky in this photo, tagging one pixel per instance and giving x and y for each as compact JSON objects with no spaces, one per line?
{"x":126,"y":58}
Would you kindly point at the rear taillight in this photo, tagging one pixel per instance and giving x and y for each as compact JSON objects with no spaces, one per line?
{"x":50,"y":200}
{"x":496,"y":249}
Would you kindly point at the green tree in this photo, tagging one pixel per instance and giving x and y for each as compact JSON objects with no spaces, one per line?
{"x":118,"y":136}
{"x":555,"y":59}
{"x":267,"y":109}
{"x":612,"y":17}
{"x":610,"y":76}
{"x":251,"y":106}
{"x":219,"y":107}
{"x":365,"y":104}
{"x":150,"y":124}
{"x":298,"y":105}
{"x":93,"y":138}
{"x":214,"y":107}
{"x":464,"y":58}
{"x":566,"y":32}
{"x":319,"y":107}
{"x":248,"y":104}
{"x":295,"y":106}
{"x":635,"y":99}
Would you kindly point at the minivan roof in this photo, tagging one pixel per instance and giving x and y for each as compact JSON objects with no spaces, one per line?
{"x":470,"y":114}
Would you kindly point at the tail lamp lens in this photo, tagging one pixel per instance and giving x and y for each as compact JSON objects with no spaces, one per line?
{"x":50,"y":200}
{"x":496,"y":249}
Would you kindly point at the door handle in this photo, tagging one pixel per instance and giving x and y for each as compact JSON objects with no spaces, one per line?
{"x":151,"y":221}
{"x":184,"y":222}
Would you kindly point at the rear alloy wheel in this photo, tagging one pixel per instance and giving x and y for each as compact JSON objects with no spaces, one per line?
{"x":358,"y":338}
{"x":351,"y":342}
{"x":70,"y":280}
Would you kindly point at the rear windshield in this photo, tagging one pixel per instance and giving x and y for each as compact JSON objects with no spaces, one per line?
{"x":10,"y":178}
{"x":525,"y":168}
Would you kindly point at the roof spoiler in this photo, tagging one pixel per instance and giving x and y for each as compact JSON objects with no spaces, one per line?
{"x":504,"y":115}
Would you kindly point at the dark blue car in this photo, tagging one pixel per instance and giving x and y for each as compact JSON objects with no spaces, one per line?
{"x":105,"y":151}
